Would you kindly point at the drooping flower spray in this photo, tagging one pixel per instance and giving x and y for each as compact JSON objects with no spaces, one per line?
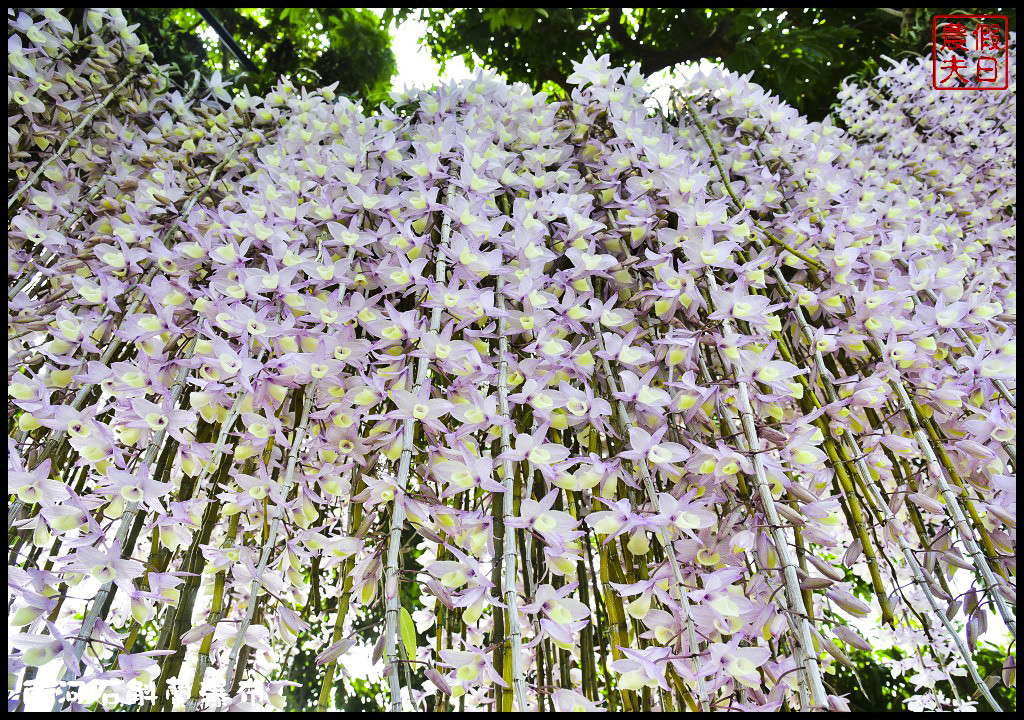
{"x":565,"y":405}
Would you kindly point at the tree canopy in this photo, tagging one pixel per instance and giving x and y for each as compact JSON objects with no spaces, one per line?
{"x":312,"y":47}
{"x":801,"y":54}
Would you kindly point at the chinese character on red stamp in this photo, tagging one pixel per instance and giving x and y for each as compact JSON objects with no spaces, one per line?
{"x":970,"y":52}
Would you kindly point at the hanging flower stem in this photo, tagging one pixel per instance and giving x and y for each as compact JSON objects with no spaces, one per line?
{"x":391,"y":593}
{"x":257,"y":582}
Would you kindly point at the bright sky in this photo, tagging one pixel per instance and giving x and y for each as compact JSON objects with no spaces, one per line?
{"x":417,"y":69}
{"x":415,"y":66}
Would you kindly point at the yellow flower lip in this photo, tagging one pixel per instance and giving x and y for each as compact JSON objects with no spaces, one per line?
{"x":542,"y":401}
{"x":30,"y":494}
{"x":420,"y":411}
{"x":804,"y":457}
{"x":552,"y":347}
{"x":103,"y":573}
{"x":742,"y":309}
{"x":688,"y":521}
{"x":658,"y":454}
{"x":131,"y":494}
{"x":114,"y":258}
{"x":560,"y":614}
{"x":544,"y":523}
{"x":400,"y":277}
{"x":453,"y":579}
{"x":647,"y":395}
{"x":611,"y":318}
{"x":577,"y":407}
{"x":539,"y":455}
{"x":629,"y":355}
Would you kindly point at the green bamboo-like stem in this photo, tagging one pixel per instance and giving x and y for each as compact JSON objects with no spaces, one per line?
{"x":616,"y":613}
{"x":931,"y":428}
{"x":181,"y":620}
{"x":666,"y":539}
{"x":526,"y":551}
{"x":841,"y":461}
{"x":859,"y":526}
{"x":732,"y":194}
{"x":801,"y":559}
{"x":257,"y":582}
{"x":391,"y":594}
{"x":344,"y":598}
{"x":792,"y":582}
{"x":599,"y":608}
{"x":904,"y":477}
{"x":163,"y":471}
{"x":847,"y":492}
{"x":127,"y":521}
{"x":971,"y":348}
{"x":179,"y":616}
{"x":587,"y":668}
{"x":508,"y":548}
{"x":953,"y":505}
{"x":217,"y":613}
{"x":732,"y":430}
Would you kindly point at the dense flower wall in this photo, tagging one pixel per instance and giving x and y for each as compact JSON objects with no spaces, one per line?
{"x":570,"y":421}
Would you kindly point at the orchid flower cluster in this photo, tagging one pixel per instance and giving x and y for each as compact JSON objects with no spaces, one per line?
{"x":586,"y":407}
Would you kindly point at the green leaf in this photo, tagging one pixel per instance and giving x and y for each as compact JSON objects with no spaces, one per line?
{"x":408,"y":630}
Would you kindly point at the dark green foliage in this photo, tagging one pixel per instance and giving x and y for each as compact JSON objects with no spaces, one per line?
{"x":801,"y":54}
{"x":182,"y":48}
{"x":349,"y":693}
{"x":313,"y":47}
{"x":886,"y":692}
